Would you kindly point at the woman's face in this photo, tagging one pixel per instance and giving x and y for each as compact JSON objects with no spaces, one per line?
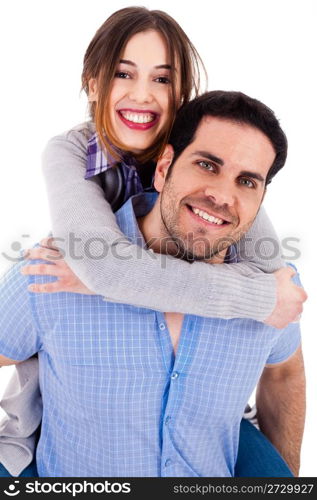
{"x":139,"y":98}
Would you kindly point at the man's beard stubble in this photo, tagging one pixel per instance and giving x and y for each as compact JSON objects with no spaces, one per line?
{"x":188,"y":246}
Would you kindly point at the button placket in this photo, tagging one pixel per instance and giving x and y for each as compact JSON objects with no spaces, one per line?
{"x":165,"y":343}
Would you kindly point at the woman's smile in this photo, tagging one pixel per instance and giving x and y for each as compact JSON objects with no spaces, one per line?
{"x":138,"y":119}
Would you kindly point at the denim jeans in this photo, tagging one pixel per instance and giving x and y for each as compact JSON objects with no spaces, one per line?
{"x":257,"y":457}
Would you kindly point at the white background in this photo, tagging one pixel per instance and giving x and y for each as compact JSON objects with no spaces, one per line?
{"x":264,"y":48}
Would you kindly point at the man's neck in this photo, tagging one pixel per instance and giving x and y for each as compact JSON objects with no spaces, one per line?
{"x":151,"y":229}
{"x":159,"y":241}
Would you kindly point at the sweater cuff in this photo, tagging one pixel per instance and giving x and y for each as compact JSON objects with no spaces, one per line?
{"x":245,"y":297}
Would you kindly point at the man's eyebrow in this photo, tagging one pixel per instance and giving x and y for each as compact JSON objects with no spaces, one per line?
{"x":253,"y":175}
{"x":243,"y":173}
{"x":209,"y":156}
{"x":131,"y":63}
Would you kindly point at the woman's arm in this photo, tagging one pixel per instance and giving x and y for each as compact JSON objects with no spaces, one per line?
{"x":82,"y":218}
{"x":260,"y":245}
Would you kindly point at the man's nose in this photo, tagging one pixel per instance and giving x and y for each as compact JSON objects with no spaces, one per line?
{"x":141,"y":92}
{"x":221,"y":193}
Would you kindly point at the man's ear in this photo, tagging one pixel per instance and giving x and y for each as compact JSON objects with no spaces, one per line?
{"x":162,"y":167}
{"x":92,"y":90}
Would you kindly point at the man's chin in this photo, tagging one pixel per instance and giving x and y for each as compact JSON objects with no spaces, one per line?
{"x":194,"y":256}
{"x":188,"y":257}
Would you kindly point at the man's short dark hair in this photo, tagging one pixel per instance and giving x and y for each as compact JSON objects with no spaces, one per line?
{"x":233,"y":106}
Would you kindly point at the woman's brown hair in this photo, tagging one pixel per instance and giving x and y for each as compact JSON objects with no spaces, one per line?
{"x":103,"y":55}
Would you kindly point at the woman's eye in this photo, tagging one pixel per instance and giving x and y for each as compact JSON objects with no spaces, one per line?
{"x":163,"y":79}
{"x":247,"y":183}
{"x":122,"y":74}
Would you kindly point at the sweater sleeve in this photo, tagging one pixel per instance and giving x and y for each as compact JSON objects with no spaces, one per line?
{"x":260,"y":246}
{"x":82,"y":220}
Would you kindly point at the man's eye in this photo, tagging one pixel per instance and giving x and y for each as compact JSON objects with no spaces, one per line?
{"x":122,"y":74}
{"x":206,"y":165}
{"x":247,"y":183}
{"x":163,"y":79}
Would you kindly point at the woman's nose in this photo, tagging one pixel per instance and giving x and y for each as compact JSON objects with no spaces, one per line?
{"x":141,"y":92}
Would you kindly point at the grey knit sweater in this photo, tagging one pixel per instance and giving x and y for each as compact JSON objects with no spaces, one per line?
{"x":78,"y":208}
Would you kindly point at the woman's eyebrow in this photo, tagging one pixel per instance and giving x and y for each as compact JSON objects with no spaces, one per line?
{"x":131,"y":63}
{"x":163,"y":66}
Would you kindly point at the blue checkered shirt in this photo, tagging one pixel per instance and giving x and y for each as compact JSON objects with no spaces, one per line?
{"x":116,"y":400}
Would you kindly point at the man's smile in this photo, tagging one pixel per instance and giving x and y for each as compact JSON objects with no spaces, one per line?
{"x":207,"y":217}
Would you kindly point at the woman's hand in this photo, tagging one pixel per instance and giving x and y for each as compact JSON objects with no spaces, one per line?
{"x":56,"y":266}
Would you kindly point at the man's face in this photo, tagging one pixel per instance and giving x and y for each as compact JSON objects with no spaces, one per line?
{"x":215,"y":188}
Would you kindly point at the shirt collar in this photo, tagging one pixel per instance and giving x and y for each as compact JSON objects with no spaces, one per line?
{"x":98,"y":160}
{"x":138,"y":206}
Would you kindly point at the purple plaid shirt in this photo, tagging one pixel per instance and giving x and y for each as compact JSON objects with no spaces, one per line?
{"x":98,"y":161}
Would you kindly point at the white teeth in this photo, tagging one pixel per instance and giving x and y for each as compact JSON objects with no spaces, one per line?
{"x":208,"y":217}
{"x":138,"y":117}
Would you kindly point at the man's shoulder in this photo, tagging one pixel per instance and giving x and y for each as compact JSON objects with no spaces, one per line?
{"x":296,"y":278}
{"x":13,"y":280}
{"x":15,"y":306}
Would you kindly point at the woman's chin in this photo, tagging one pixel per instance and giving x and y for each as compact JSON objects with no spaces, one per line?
{"x":136,"y":148}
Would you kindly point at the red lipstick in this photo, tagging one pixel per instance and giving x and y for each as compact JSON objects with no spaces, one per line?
{"x":138,"y":126}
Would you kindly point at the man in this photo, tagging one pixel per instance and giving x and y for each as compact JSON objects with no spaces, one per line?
{"x":133,"y":392}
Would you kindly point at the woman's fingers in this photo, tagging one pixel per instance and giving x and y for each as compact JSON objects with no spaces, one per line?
{"x":41,"y":269}
{"x":49,"y":243}
{"x":54,"y":287}
{"x":43,"y":254}
{"x":56,"y":266}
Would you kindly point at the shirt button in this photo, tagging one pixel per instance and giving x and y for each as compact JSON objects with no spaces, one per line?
{"x":167,"y":420}
{"x":174,"y":375}
{"x":161,"y":326}
{"x":168,"y":462}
